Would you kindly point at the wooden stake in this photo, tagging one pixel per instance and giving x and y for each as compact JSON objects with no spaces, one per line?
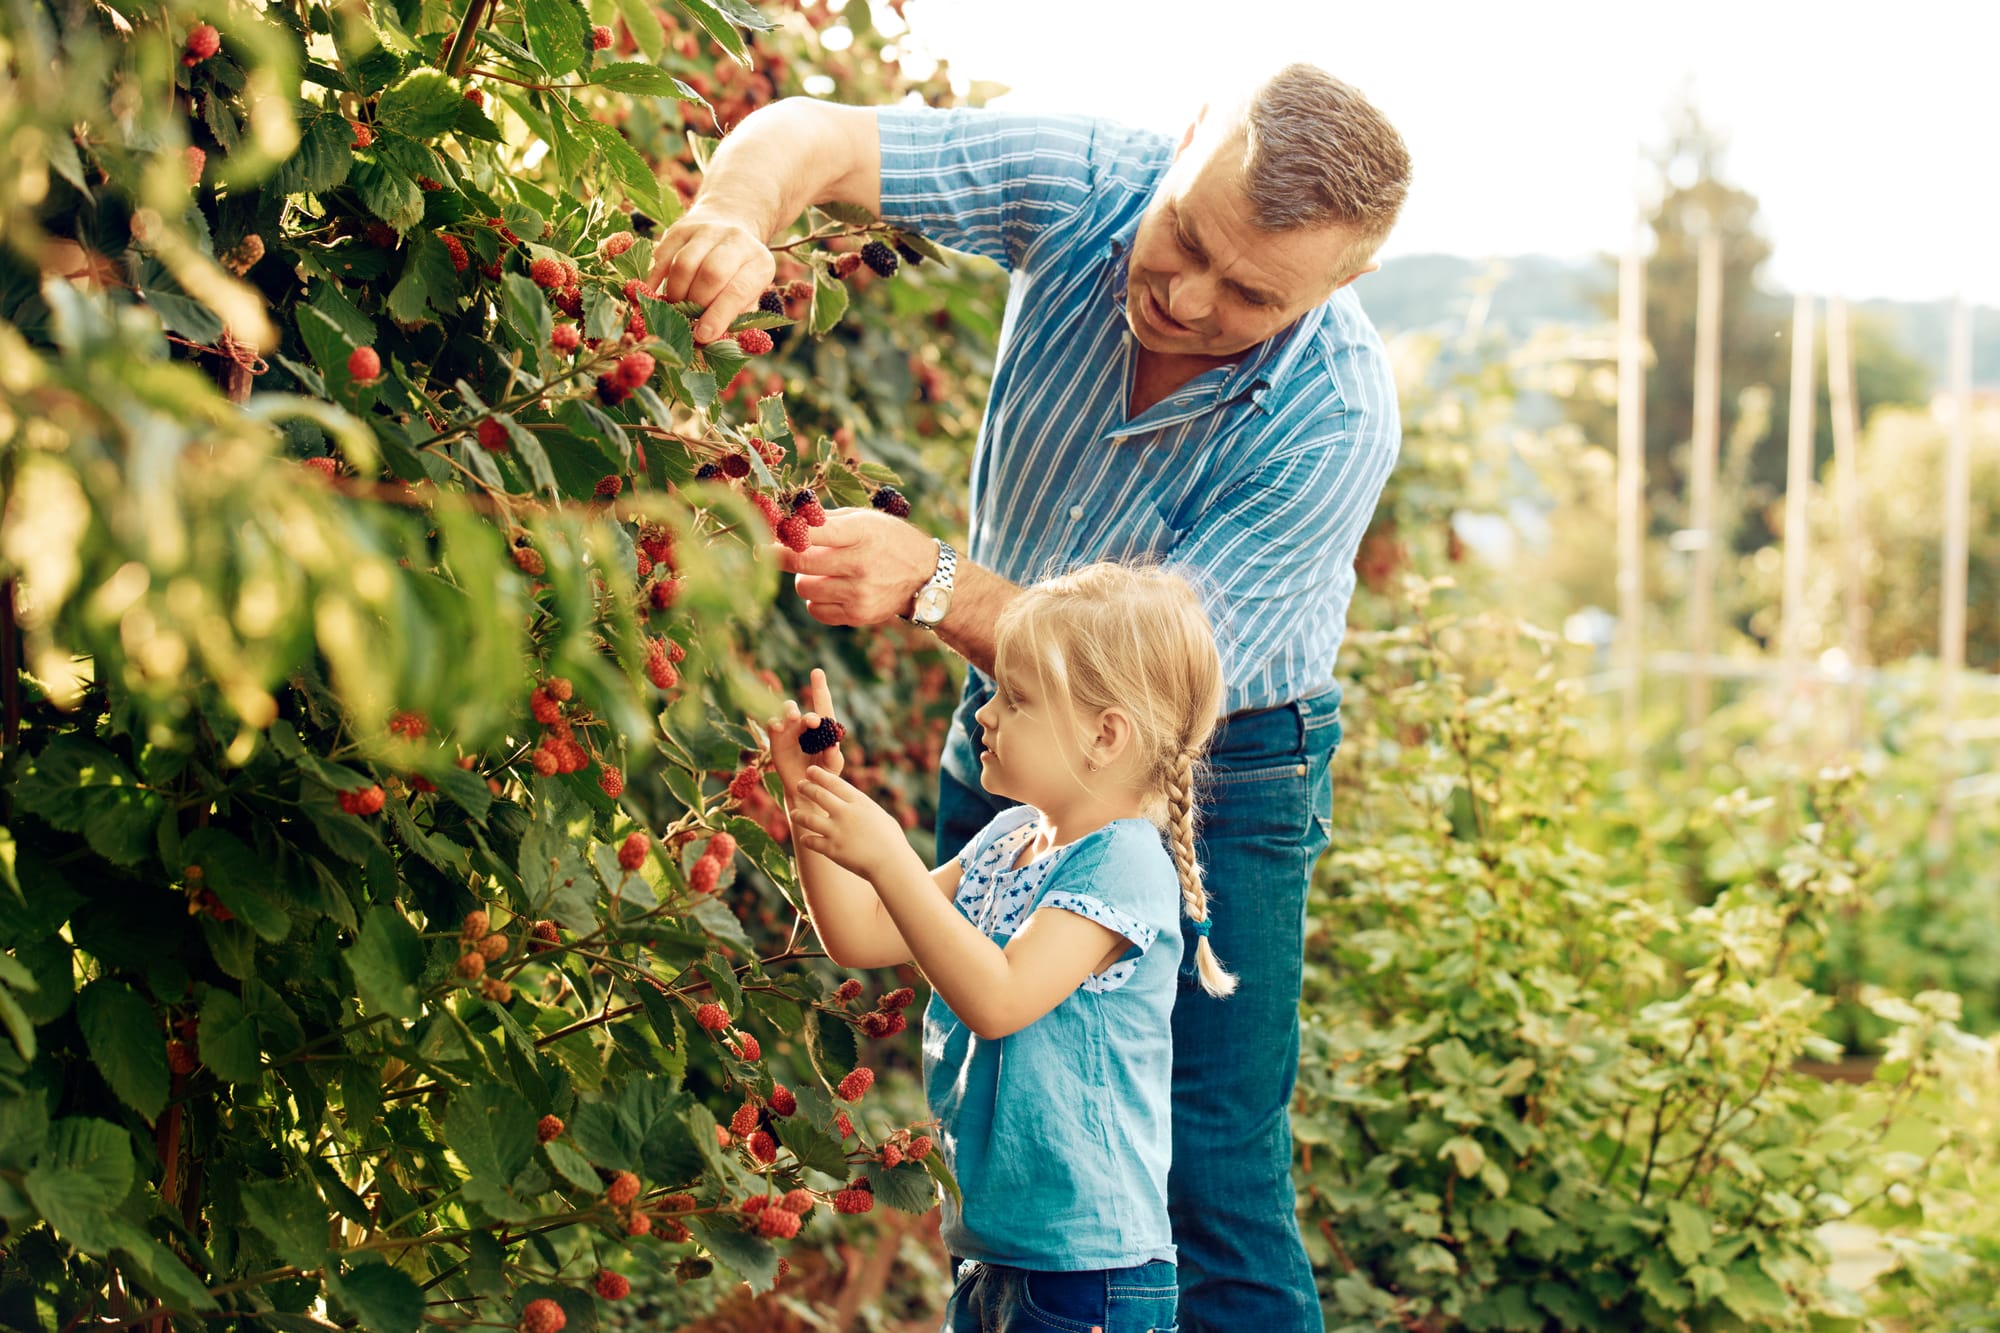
{"x":1701,"y":479}
{"x":1847,"y":497}
{"x":1631,"y":480}
{"x":1798,"y":489}
{"x":1957,"y":534}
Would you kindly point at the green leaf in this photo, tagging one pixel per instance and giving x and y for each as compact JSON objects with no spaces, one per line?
{"x":386,"y":961}
{"x":527,"y":310}
{"x":126,"y":1043}
{"x":643,"y":21}
{"x":292,"y":1217}
{"x":84,"y":1173}
{"x":852,"y":215}
{"x":492,"y":1130}
{"x":717,"y":26}
{"x":528,"y":448}
{"x":388,"y":193}
{"x":161,"y":1269}
{"x":383,"y":1299}
{"x":323,"y":158}
{"x":1689,"y":1233}
{"x":428,"y":280}
{"x":424,"y":105}
{"x":630,"y":169}
{"x":1751,"y":1294}
{"x":1658,"y":1280}
{"x":228,"y":1038}
{"x":82,"y":788}
{"x":906,"y":1186}
{"x":557,"y":33}
{"x":643,"y":80}
{"x":572,"y":1165}
{"x":749,"y":1257}
{"x":1453,"y":1061}
{"x":814,"y":1148}
{"x":468,"y":790}
{"x":829,"y":302}
{"x":239,"y":879}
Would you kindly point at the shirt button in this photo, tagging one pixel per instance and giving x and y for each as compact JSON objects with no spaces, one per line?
{"x":1075,"y":512}
{"x":1118,"y":439}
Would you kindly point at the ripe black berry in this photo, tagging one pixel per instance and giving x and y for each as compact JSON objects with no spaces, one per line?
{"x":707,"y":471}
{"x":822,"y":737}
{"x":880,"y":258}
{"x":771,"y":303}
{"x":909,"y":252}
{"x":890,"y":501}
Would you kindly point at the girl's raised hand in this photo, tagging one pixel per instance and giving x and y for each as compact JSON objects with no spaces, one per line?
{"x":833,"y":817}
{"x":785,"y":730}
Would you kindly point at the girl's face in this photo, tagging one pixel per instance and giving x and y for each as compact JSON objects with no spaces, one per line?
{"x":1033,"y":744}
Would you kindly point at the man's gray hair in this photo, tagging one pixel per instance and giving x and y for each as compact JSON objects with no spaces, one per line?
{"x":1316,"y":154}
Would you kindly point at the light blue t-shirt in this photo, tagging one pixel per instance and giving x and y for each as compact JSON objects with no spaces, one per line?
{"x":1060,"y":1133}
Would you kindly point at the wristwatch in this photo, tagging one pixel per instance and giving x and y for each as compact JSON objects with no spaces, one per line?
{"x":934,"y":598}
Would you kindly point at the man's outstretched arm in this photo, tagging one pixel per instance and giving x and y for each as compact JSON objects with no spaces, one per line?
{"x":776,"y":162}
{"x":864,"y":568}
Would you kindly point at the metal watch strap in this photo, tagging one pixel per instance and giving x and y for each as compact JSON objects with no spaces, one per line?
{"x":947,"y":567}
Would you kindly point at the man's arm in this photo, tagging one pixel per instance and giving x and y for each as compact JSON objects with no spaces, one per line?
{"x":777,"y":161}
{"x":864,"y":568}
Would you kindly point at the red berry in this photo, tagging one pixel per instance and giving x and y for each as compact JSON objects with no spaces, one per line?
{"x":856,"y":1084}
{"x":798,"y":1201}
{"x":565,"y":337}
{"x":493,"y":436}
{"x":623,"y":1189}
{"x":472,"y":966}
{"x":612,"y":781}
{"x":843,"y":1124}
{"x":545,"y":272}
{"x":901,"y":998}
{"x":745,"y":1045}
{"x":203,"y":41}
{"x":477,"y":97}
{"x":181,"y":1057}
{"x":807,"y":506}
{"x":721,"y":847}
{"x":890,"y":501}
{"x":659,"y":668}
{"x":763,"y":1147}
{"x":561,"y":689}
{"x":547,"y":1128}
{"x":613,"y":1286}
{"x":543,"y":1316}
{"x":609,"y":488}
{"x":735,"y":465}
{"x":456,"y":249}
{"x":635,"y":368}
{"x":632,"y":853}
{"x":779,"y":1223}
{"x":364,"y":137}
{"x":326,"y":467}
{"x":846,"y":991}
{"x":196,"y":160}
{"x":614,"y":245}
{"x":664,"y":593}
{"x":769,"y":509}
{"x":746,"y":781}
{"x":364,"y":366}
{"x":572,"y":275}
{"x":712,"y":1016}
{"x":610,"y":392}
{"x":638,"y":1224}
{"x":570,"y":301}
{"x":754,"y":342}
{"x":782,"y":1101}
{"x":545,"y":934}
{"x":855,"y":1200}
{"x":880,"y":1024}
{"x":744,"y":1122}
{"x":704,"y":875}
{"x":845,"y":266}
{"x":920,"y":1147}
{"x":546,"y":761}
{"x":544,"y":706}
{"x":795,"y":532}
{"x":892,"y":1156}
{"x":754,"y":1205}
{"x":600,"y":37}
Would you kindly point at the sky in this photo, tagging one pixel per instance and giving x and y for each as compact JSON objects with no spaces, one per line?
{"x":1870,"y":134}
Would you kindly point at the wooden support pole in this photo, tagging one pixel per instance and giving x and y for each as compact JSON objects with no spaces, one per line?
{"x":1631,"y":481}
{"x":1707,"y":446}
{"x":1798,"y":489}
{"x":1847,"y":497}
{"x":1957,"y":536}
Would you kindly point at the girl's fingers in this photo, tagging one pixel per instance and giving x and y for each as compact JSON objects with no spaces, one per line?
{"x":822,"y":698}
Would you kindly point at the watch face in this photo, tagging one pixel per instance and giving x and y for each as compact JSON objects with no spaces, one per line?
{"x":931,"y":604}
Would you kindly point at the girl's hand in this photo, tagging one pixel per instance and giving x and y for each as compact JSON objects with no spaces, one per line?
{"x":833,"y":817}
{"x":785,"y":729}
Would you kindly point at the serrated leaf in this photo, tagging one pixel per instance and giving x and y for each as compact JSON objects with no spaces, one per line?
{"x":639,"y":79}
{"x":557,"y":33}
{"x":292,"y":1217}
{"x":572,"y":1165}
{"x":386,"y":961}
{"x":423,"y":105}
{"x":388,"y":193}
{"x":829,"y":302}
{"x":813,"y":1147}
{"x":624,"y":162}
{"x":239,"y":879}
{"x":429,"y":282}
{"x":80,"y":787}
{"x":852,"y":215}
{"x":749,"y":1257}
{"x":492,"y":1130}
{"x":513,"y":50}
{"x":85,"y":1170}
{"x":1688,"y":1232}
{"x":716,"y":25}
{"x":228,"y":1038}
{"x":907,"y":1187}
{"x":381,"y":1298}
{"x":323,"y":158}
{"x":527,"y":310}
{"x":126,"y":1044}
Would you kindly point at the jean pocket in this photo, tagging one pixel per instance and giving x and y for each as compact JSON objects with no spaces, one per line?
{"x":1270,"y":801}
{"x":1064,"y":1302}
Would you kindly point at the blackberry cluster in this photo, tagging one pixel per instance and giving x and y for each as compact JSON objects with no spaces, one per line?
{"x":771,"y":303}
{"x":825,"y":736}
{"x":880,"y":258}
{"x":891,"y":501}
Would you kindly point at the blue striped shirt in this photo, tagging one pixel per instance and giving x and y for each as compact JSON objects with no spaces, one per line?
{"x":1256,"y":479}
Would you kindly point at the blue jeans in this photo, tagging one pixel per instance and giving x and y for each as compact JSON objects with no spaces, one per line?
{"x":993,"y":1298}
{"x":1265,"y":814}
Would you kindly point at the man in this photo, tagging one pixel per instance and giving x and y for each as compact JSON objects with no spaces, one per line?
{"x":1183,"y":376}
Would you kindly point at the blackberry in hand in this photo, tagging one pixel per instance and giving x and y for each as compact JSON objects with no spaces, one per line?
{"x":890,"y":501}
{"x":815,"y":740}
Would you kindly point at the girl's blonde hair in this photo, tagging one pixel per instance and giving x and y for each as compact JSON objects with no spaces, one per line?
{"x":1135,"y":638}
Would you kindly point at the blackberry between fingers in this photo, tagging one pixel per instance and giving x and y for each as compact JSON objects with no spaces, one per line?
{"x":815,"y":740}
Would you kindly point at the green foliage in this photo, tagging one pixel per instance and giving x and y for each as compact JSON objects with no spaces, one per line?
{"x":1538,"y":1089}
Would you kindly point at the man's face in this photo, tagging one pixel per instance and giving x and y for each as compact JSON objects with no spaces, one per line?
{"x":1204,"y":280}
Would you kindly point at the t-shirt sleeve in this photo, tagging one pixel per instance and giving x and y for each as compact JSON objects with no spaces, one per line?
{"x":985,"y":182}
{"x":1125,"y":885}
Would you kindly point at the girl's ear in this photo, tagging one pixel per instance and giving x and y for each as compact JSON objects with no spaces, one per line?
{"x":1110,"y":737}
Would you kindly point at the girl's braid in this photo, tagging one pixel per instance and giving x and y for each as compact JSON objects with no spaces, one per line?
{"x":1215,"y":979}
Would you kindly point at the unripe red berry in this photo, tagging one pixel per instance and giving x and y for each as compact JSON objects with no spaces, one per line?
{"x":856,"y":1084}
{"x":745,"y":783}
{"x":545,"y":272}
{"x":712,"y":1016}
{"x":846,"y":265}
{"x":473,"y":929}
{"x":181,"y":1057}
{"x":920,"y":1147}
{"x":561,"y":689}
{"x":477,"y":97}
{"x":783,"y":1103}
{"x":795,"y":532}
{"x":754,"y":342}
{"x":615,"y":245}
{"x":745,"y":1045}
{"x":635,"y":368}
{"x":326,"y":467}
{"x":704,"y":875}
{"x":623,"y":1189}
{"x":565,"y":337}
{"x":544,"y":935}
{"x":548,"y":1127}
{"x":638,"y":1224}
{"x":843,"y":1124}
{"x":901,"y":998}
{"x":664,"y":593}
{"x":778,"y":1223}
{"x":612,"y":782}
{"x":612,"y":1286}
{"x":472,"y":966}
{"x":632,"y":853}
{"x":493,"y":948}
{"x":744,"y":1122}
{"x":364,"y":365}
{"x":892,"y":1156}
{"x":798,"y":1201}
{"x":854,"y":1200}
{"x":763,"y":1147}
{"x":721,"y":847}
{"x":609,"y":488}
{"x":496,"y":990}
{"x":846,"y":991}
{"x":493,"y":436}
{"x":543,"y":1316}
{"x":600,"y":36}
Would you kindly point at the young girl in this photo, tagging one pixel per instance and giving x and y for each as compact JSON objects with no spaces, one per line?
{"x":1052,"y":943}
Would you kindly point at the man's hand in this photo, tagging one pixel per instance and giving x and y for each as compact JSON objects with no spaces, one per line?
{"x":863,"y":568}
{"x":837,"y":820}
{"x":785,"y":729}
{"x":720,"y":263}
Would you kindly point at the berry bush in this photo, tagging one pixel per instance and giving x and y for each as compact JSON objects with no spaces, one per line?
{"x":397,"y":920}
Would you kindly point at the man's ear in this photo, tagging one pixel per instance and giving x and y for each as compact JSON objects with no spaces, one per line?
{"x":1368,"y":267}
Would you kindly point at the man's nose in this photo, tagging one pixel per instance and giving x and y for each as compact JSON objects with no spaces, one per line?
{"x":1190,"y":298}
